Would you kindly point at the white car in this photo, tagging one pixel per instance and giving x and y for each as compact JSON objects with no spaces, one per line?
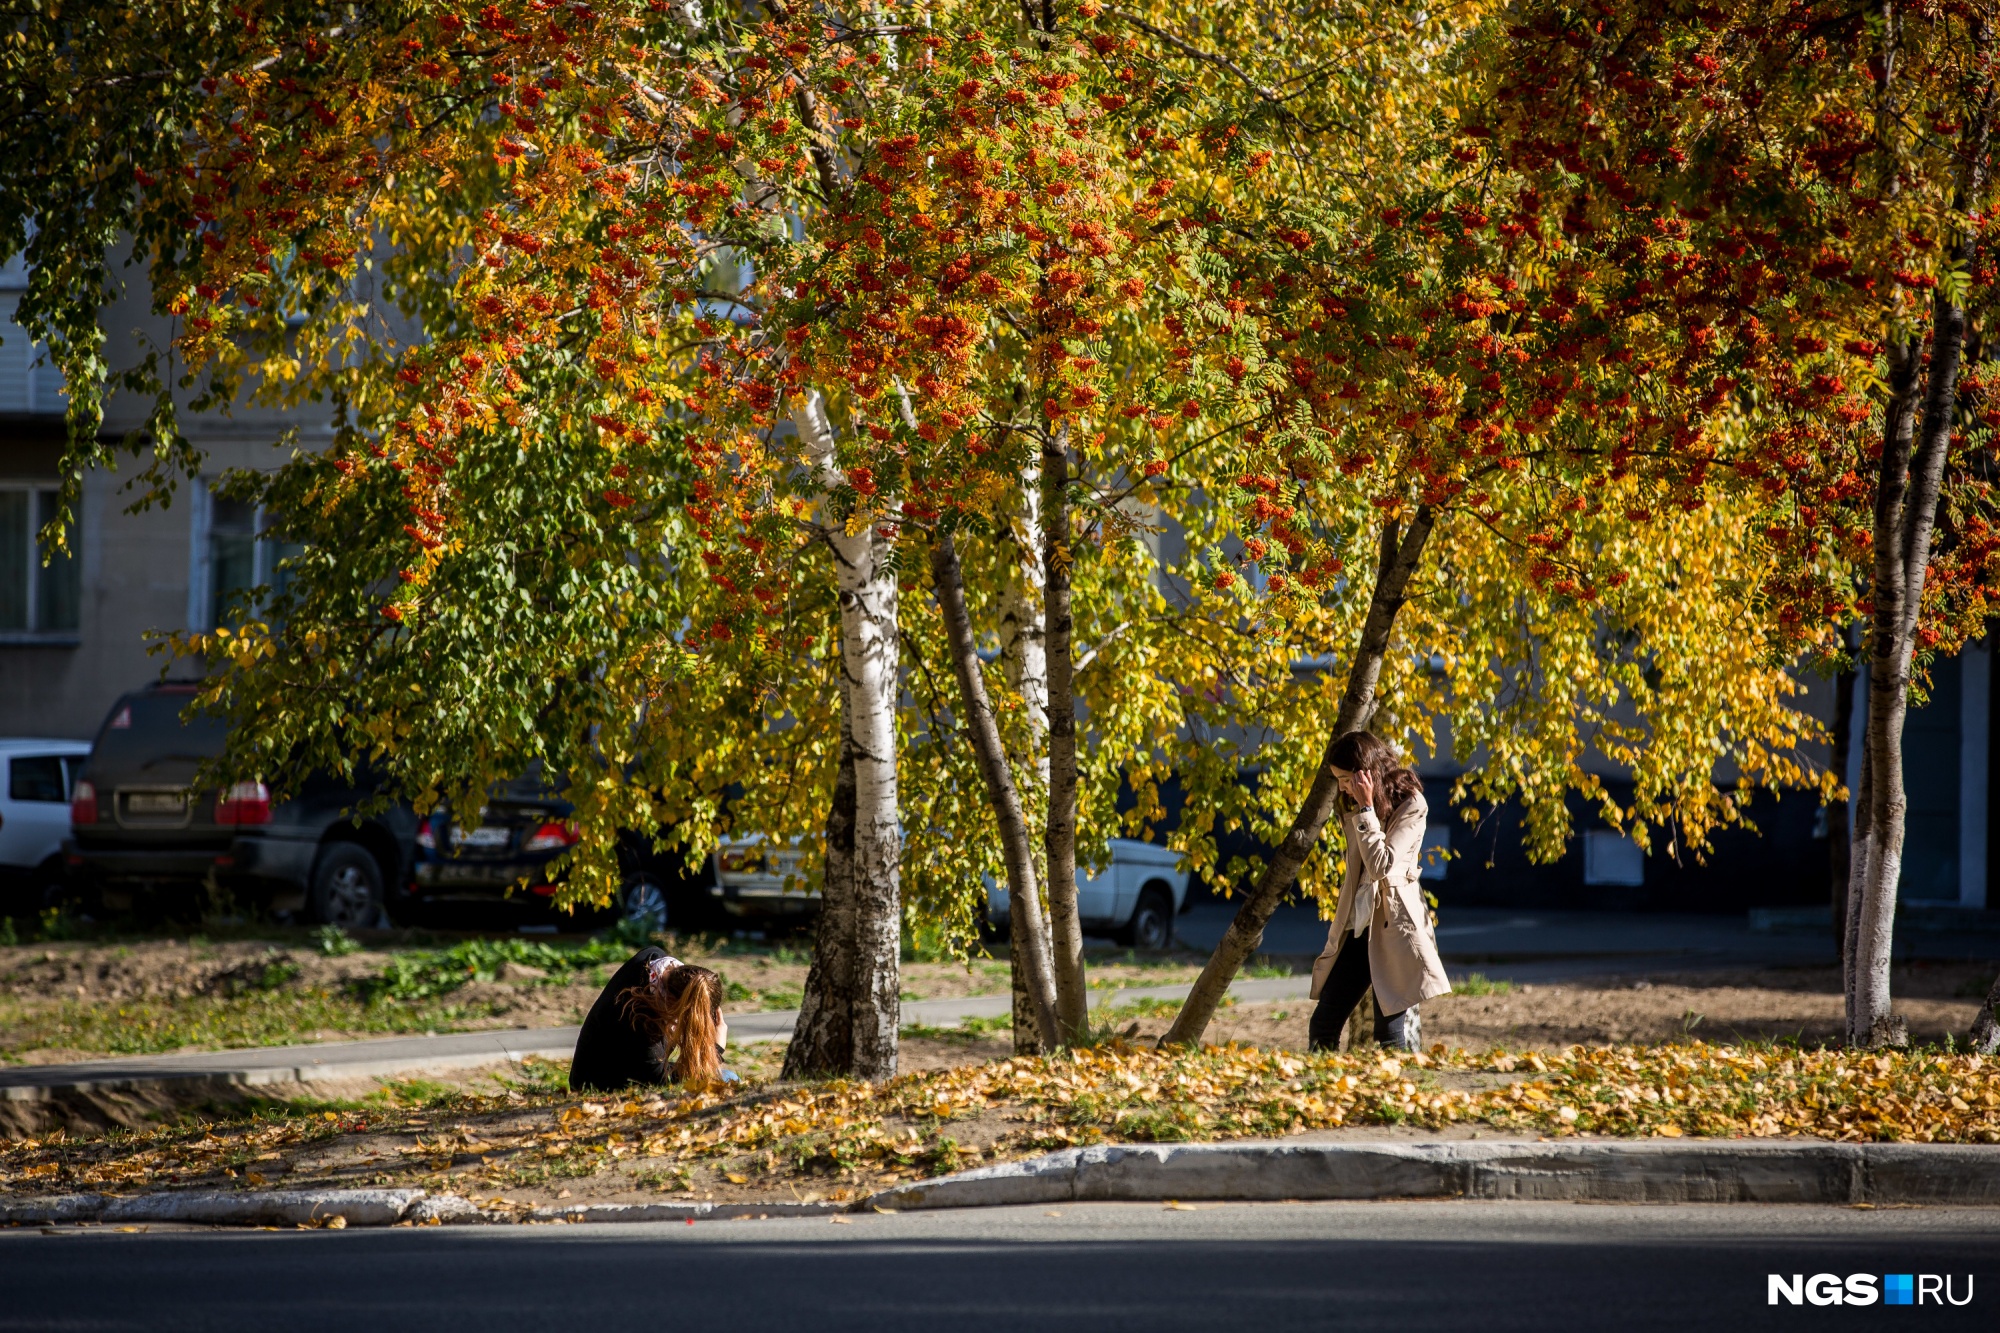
{"x":36,"y":777}
{"x":1136,"y":898}
{"x":749,"y":878}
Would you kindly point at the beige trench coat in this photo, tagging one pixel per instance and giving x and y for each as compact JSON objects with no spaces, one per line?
{"x":1402,"y":950}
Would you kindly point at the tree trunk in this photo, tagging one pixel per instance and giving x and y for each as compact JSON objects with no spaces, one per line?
{"x":1837,"y":823}
{"x":1025,"y":659}
{"x":1024,"y":897}
{"x":1986,"y":1027}
{"x":1361,"y":1023}
{"x":1857,"y":867}
{"x":1905,"y":515}
{"x":1400,"y":555}
{"x":852,"y":1008}
{"x":1065,"y":925}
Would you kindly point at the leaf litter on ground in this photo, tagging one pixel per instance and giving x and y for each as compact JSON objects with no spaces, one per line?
{"x":843,"y":1138}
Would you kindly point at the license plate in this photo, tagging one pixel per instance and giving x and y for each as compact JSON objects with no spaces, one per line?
{"x":489,"y":836}
{"x":156,"y":802}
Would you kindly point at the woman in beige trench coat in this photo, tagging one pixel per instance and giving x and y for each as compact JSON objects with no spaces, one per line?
{"x":1381,"y":934}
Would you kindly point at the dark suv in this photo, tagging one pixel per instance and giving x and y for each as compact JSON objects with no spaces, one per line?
{"x":140,"y":833}
{"x":504,"y":853}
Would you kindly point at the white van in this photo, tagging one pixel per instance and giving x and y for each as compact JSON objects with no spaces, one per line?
{"x":35,"y":781}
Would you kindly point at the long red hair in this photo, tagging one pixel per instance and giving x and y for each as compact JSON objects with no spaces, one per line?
{"x":684,"y":1011}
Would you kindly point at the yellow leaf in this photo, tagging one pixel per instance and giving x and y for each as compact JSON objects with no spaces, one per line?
{"x":1668,"y":1131}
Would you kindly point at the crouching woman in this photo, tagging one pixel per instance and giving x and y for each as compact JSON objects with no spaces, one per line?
{"x":659,"y":1020}
{"x":1381,"y":934}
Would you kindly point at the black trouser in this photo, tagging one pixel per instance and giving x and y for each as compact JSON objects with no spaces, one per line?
{"x":1345,"y":984}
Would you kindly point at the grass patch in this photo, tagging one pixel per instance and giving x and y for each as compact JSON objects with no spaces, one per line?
{"x":1478,"y":983}
{"x":424,"y":974}
{"x":968,"y":1032}
{"x":255,"y":1018}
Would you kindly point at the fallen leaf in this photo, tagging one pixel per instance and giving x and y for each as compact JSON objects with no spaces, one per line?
{"x":1176,"y":1206}
{"x":336,"y":1223}
{"x":841,"y":1221}
{"x":735,"y":1179}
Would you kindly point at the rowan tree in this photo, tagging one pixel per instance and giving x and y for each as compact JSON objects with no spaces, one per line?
{"x":1423,"y":365}
{"x":1794,"y":196}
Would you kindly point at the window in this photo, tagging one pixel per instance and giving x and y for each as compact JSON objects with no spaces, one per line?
{"x":36,"y":598}
{"x":37,"y":777}
{"x":236,"y":551}
{"x":1612,"y":858}
{"x":26,"y":387}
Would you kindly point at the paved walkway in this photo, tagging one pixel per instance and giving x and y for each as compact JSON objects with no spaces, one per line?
{"x":1531,"y":945}
{"x":471,"y":1050}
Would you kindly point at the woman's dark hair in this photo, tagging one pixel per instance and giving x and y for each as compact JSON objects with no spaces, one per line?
{"x":685,"y":1012}
{"x":1362,"y":751}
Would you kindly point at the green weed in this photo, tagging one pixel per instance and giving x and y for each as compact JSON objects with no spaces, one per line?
{"x":428,"y":973}
{"x":256,"y":1017}
{"x":335,"y":942}
{"x":1478,"y":983}
{"x":968,"y":1031}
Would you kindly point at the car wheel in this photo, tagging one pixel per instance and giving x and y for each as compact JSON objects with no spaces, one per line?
{"x":1152,"y":925}
{"x":346,"y":888}
{"x":642,"y":904}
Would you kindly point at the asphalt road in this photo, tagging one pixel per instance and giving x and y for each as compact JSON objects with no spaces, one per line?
{"x":1095,"y":1268}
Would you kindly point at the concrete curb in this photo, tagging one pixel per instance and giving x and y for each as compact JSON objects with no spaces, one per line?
{"x":677,"y":1212}
{"x":1636,"y":1171}
{"x":365,"y":1208}
{"x":241,"y":1208}
{"x":1577,"y":1170}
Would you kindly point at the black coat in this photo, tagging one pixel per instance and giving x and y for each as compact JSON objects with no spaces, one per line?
{"x":612,"y":1052}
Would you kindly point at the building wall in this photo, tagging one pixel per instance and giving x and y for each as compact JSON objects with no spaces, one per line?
{"x":137,"y":567}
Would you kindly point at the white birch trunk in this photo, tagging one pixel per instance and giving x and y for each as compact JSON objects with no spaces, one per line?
{"x":852,"y":1009}
{"x":1024,"y":659}
{"x":1059,"y":842}
{"x":1024,"y":653}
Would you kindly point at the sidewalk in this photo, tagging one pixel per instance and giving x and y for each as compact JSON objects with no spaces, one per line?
{"x":1530,"y":945}
{"x":471,"y":1050}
